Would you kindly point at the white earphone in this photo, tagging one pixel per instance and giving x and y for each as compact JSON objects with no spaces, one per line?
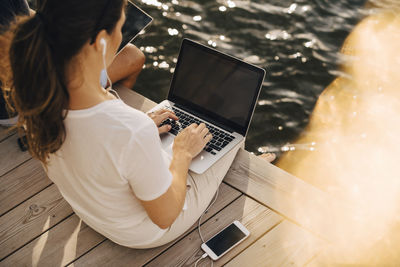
{"x":104,"y":43}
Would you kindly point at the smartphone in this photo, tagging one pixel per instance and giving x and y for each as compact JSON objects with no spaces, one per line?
{"x":136,"y":21}
{"x":225,"y":240}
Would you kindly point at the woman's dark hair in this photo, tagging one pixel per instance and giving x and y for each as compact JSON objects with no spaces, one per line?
{"x":42,"y":47}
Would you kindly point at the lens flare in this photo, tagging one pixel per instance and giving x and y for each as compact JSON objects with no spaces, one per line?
{"x":355,"y":129}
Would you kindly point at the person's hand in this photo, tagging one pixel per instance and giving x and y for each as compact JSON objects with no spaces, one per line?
{"x":192,"y":140}
{"x":161,"y":115}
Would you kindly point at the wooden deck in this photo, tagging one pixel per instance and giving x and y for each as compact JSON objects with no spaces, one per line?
{"x":39,"y":228}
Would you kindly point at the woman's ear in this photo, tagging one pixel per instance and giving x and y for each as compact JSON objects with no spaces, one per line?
{"x":100,"y":43}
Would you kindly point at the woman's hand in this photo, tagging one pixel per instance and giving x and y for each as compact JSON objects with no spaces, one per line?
{"x":192,"y":140}
{"x":161,"y":115}
{"x":164,"y":210}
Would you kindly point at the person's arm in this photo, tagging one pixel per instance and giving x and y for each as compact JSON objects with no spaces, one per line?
{"x":164,"y":210}
{"x":189,"y":143}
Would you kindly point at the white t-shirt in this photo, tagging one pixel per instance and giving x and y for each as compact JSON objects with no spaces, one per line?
{"x":112,"y":157}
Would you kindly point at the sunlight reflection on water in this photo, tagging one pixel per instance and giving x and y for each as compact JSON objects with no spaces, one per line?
{"x":356,"y":125}
{"x":296,"y":41}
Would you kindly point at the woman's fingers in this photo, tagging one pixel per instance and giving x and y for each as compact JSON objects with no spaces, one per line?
{"x":173,"y":116}
{"x":161,"y":115}
{"x":192,"y":126}
{"x":208,"y":138}
{"x":204,"y":132}
{"x":162,"y":111}
{"x":159,"y":118}
{"x":201,"y":127}
{"x":164,"y":129}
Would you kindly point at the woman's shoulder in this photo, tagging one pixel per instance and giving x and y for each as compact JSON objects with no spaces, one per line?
{"x":130,"y":118}
{"x":128,"y":114}
{"x":109,"y":117}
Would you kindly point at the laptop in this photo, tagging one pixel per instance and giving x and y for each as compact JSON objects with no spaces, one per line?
{"x":214,"y":88}
{"x":136,"y":21}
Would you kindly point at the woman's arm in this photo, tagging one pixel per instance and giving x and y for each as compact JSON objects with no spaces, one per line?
{"x":189,"y":143}
{"x":164,"y":210}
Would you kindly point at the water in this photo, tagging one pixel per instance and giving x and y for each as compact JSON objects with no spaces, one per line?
{"x":296,"y":41}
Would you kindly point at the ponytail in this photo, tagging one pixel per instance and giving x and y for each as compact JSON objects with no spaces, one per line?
{"x":41,"y":49}
{"x":39,"y":94}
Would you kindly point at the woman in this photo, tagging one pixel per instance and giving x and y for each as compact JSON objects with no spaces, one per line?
{"x":104,"y":156}
{"x":124,"y":69}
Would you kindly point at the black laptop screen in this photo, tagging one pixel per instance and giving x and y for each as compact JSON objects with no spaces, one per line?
{"x":216,"y":85}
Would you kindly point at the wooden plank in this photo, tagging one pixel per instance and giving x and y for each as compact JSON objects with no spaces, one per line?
{"x":257,"y":218}
{"x":285,"y":245}
{"x":374,"y":248}
{"x":21,"y":183}
{"x":31,"y":219}
{"x":111,"y":254}
{"x":288,"y":195}
{"x":134,"y":99}
{"x":5,"y":132}
{"x":10,"y":155}
{"x":320,"y":260}
{"x":58,"y":246}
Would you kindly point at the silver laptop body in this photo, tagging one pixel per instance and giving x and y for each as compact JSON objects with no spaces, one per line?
{"x":214,"y":88}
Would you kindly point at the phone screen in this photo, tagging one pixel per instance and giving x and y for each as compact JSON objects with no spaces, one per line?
{"x":225,"y":239}
{"x":136,"y":21}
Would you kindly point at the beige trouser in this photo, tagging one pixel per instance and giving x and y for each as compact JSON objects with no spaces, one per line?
{"x":201,"y":190}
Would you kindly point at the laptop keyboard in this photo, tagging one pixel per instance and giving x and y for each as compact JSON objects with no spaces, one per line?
{"x":220,"y":138}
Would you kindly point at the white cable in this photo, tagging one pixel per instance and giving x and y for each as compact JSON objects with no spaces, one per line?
{"x":209,"y":206}
{"x":202,"y":257}
{"x":109,"y":89}
{"x":115,"y":93}
{"x":198,"y":228}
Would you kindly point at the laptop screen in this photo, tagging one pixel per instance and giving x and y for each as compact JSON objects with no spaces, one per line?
{"x":136,"y":21}
{"x":216,"y":85}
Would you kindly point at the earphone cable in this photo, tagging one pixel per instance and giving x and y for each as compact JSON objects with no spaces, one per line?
{"x":109,"y":89}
